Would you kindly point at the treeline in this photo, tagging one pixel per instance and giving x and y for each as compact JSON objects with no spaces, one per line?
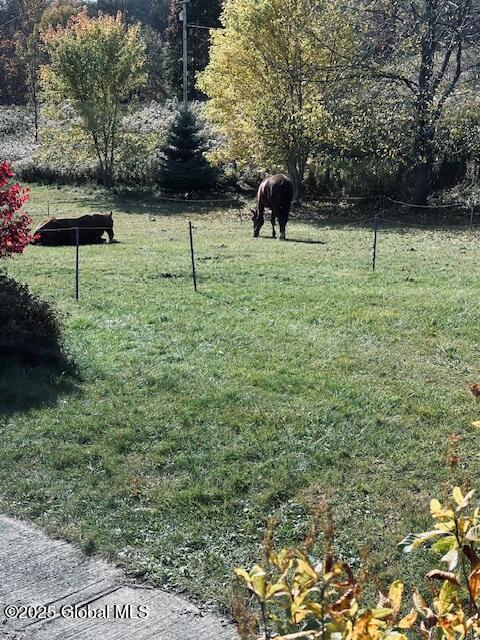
{"x":348,"y":96}
{"x":21,"y":22}
{"x":389,"y":87}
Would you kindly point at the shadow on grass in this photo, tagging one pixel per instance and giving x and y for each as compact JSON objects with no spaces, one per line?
{"x":24,"y":387}
{"x":295,"y":240}
{"x":394,"y":219}
{"x":333,"y":216}
{"x":82,"y":244}
{"x":305,"y":241}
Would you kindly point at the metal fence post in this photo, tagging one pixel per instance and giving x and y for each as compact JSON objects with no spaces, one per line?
{"x":374,"y":248}
{"x":77,"y":258}
{"x":192,"y":254}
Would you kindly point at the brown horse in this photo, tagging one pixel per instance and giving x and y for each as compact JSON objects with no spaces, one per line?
{"x":62,"y":231}
{"x":275,"y":193}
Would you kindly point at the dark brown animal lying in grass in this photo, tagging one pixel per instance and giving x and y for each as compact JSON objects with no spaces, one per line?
{"x":275,"y":193}
{"x":62,"y":231}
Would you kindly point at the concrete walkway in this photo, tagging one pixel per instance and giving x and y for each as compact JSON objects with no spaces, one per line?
{"x":53,"y":579}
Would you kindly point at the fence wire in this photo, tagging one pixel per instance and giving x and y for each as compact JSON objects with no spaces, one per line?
{"x":375,"y":224}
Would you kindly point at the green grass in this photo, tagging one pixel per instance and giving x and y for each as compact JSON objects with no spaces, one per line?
{"x":294,"y":370}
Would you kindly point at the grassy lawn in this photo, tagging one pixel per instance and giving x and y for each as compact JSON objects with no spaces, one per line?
{"x":294,"y":370}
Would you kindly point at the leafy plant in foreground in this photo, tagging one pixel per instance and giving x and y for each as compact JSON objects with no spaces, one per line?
{"x":298,"y":597}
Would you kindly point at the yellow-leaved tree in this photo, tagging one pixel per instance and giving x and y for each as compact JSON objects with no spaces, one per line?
{"x":95,"y":66}
{"x":276,"y":68}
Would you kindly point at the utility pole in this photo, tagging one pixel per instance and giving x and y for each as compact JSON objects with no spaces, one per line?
{"x":183,"y":18}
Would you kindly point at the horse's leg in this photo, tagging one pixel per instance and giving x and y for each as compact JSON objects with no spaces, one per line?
{"x":98,"y":238}
{"x":272,"y":219}
{"x":282,"y":221}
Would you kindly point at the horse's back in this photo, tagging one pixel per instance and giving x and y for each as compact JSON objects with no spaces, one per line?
{"x":58,"y":231}
{"x":276,"y":191}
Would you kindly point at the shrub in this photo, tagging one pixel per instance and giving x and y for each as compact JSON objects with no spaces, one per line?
{"x":299,"y":597}
{"x":142,"y":135}
{"x":66,"y":153}
{"x":14,"y":222}
{"x":16,"y":121}
{"x":63,"y":157}
{"x":17,"y":135}
{"x":31,"y":328}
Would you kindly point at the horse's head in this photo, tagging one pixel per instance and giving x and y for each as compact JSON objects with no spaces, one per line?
{"x":258,"y":221}
{"x":108,"y":217}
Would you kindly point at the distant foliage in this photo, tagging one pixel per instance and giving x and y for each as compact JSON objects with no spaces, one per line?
{"x":142,"y":135}
{"x":14,"y":221}
{"x":299,"y":597}
{"x":12,"y":73}
{"x":157,"y":86}
{"x":153,"y":13}
{"x":17,"y":134}
{"x":184,"y":167}
{"x":59,"y":13}
{"x":66,"y":153}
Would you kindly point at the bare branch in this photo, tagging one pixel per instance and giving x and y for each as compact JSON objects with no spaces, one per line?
{"x":451,"y":87}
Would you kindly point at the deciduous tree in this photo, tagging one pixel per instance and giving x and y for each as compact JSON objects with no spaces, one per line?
{"x":427,"y":49}
{"x":153,"y":13}
{"x":12,"y":73}
{"x":59,"y":12}
{"x":96,"y":65}
{"x":275,"y":69}
{"x":29,"y":50}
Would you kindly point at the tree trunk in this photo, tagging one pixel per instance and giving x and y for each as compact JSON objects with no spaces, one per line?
{"x":296,"y":171}
{"x":421,"y":183}
{"x":476,"y":170}
{"x":425,"y":127}
{"x":297,"y":189}
{"x":35,"y":102}
{"x":423,"y":167}
{"x":107,"y":175}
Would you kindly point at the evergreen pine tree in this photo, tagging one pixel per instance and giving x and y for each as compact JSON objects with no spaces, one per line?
{"x":184,"y":168}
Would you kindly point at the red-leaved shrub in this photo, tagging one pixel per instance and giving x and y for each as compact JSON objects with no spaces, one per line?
{"x":14,"y":221}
